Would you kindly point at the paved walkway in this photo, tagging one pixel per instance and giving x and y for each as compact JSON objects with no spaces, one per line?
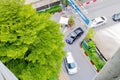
{"x":63,"y":75}
{"x":82,"y":1}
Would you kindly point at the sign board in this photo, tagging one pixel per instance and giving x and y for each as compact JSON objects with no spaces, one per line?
{"x":85,"y":44}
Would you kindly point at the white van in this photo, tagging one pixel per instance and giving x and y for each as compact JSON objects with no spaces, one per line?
{"x":70,"y":64}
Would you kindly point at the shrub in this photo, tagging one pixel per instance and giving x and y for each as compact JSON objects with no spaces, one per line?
{"x":71,"y":21}
{"x":93,"y":56}
{"x":53,"y":9}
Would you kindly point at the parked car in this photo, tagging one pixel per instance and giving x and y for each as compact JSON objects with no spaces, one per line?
{"x":74,"y":35}
{"x":99,"y":21}
{"x":116,"y":17}
{"x":70,"y":64}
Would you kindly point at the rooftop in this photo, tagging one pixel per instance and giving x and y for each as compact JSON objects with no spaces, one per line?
{"x":39,"y":3}
{"x":108,"y":40}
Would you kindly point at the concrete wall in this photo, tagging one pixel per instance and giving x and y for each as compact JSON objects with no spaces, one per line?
{"x":111,"y":71}
{"x":5,"y":73}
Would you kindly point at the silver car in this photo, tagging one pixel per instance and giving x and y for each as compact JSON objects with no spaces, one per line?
{"x":70,"y":64}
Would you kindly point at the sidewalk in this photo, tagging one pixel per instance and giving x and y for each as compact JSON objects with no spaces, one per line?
{"x":82,"y":1}
{"x":63,"y":75}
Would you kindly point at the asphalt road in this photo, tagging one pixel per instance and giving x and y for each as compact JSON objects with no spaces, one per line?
{"x":100,"y":8}
{"x":86,"y":71}
{"x":103,"y":8}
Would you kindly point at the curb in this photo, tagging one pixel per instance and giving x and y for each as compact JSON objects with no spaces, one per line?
{"x":88,"y":2}
{"x":91,"y":62}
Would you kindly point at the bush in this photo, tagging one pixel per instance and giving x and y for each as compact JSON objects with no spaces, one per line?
{"x":93,"y":56}
{"x":71,"y":21}
{"x":53,"y":9}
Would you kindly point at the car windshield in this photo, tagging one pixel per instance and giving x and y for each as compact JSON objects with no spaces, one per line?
{"x":94,"y":21}
{"x":118,"y":15}
{"x":73,"y":35}
{"x":100,"y":22}
{"x":71,"y":65}
{"x":78,"y":31}
{"x":103,"y":18}
{"x":70,"y":39}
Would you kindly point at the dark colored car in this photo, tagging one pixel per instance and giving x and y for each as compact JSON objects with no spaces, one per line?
{"x":74,"y":35}
{"x":116,"y":17}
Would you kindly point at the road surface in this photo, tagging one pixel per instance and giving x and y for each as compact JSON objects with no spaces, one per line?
{"x":103,"y":8}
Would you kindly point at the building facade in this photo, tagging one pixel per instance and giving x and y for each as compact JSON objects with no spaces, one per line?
{"x":42,"y":4}
{"x":111,"y":71}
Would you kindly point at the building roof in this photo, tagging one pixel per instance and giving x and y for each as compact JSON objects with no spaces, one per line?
{"x":1,"y":76}
{"x":40,"y":3}
{"x":30,"y":1}
{"x":108,"y":40}
{"x":64,"y":20}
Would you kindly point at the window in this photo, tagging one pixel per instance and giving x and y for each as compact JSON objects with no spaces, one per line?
{"x":41,"y":8}
{"x":71,"y":65}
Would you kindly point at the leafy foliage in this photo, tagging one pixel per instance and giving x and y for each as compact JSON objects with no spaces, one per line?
{"x":71,"y":21}
{"x":90,"y":34}
{"x":93,"y":55}
{"x":31,"y":45}
{"x":53,"y":9}
{"x":65,"y":2}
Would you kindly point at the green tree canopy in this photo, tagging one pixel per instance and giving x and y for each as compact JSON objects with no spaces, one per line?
{"x":31,"y":45}
{"x":90,"y":34}
{"x":65,"y":2}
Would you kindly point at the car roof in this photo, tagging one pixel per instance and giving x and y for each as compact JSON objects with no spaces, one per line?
{"x":70,"y":35}
{"x":118,"y":15}
{"x":98,"y":19}
{"x":78,"y":30}
{"x":73,"y":34}
{"x":69,"y":57}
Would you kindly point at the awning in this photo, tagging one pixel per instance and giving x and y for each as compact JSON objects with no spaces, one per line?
{"x":64,"y":20}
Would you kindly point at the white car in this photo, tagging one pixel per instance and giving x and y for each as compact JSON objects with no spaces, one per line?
{"x":70,"y":64}
{"x":99,"y":21}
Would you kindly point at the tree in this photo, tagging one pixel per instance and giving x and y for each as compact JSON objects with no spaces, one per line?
{"x":71,"y":21}
{"x":31,"y":45}
{"x":92,"y":46}
{"x":65,"y":2}
{"x":90,"y":34}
